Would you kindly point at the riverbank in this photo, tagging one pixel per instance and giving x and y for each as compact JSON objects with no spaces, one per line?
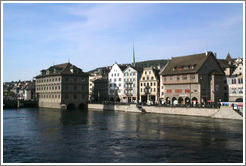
{"x":223,"y":113}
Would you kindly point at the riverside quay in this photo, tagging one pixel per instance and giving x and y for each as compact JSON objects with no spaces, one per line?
{"x":198,"y":80}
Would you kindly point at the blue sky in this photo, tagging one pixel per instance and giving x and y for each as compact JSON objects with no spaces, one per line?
{"x":94,"y":35}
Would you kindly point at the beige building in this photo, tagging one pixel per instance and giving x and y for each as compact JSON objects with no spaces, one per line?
{"x":193,"y":79}
{"x":149,"y":85}
{"x":63,"y":84}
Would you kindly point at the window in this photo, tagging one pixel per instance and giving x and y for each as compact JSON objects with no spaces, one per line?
{"x":147,"y":78}
{"x":178,"y":90}
{"x":115,"y":80}
{"x":178,"y":78}
{"x":145,"y":72}
{"x":119,"y":79}
{"x":119,"y":85}
{"x":184,"y":77}
{"x":134,"y":79}
{"x":240,"y":81}
{"x":75,"y":97}
{"x":66,"y":96}
{"x":112,"y":75}
{"x":143,"y":78}
{"x":152,"y":78}
{"x":118,"y":74}
{"x":171,"y":78}
{"x":141,"y":84}
{"x":149,"y":72}
{"x":192,"y":77}
{"x":151,"y":84}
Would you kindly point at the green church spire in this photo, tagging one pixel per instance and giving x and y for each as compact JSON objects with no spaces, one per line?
{"x":133,"y":57}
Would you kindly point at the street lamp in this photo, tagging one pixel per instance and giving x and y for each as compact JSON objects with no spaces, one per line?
{"x":146,"y":90}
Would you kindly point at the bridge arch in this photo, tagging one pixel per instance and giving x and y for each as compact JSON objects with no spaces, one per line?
{"x":70,"y":106}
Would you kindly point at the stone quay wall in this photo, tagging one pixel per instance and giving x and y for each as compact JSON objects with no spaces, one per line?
{"x":223,"y":112}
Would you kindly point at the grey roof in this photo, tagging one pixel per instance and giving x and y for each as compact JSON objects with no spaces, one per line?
{"x":224,"y":63}
{"x":191,"y":63}
{"x":64,"y":69}
{"x":122,"y":67}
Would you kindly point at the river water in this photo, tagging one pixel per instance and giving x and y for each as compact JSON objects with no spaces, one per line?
{"x":35,"y":135}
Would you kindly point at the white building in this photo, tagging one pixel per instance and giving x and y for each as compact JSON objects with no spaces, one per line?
{"x":131,"y":93}
{"x":235,"y":85}
{"x":239,"y":70}
{"x":116,"y":82}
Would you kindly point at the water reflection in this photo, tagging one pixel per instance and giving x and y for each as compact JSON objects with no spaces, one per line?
{"x":93,"y":136}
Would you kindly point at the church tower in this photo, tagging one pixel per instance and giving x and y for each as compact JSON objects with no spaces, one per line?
{"x":133,"y":58}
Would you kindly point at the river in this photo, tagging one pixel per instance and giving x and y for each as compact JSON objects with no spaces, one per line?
{"x":37,"y":135}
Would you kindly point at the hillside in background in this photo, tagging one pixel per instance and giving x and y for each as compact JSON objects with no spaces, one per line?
{"x":143,"y":64}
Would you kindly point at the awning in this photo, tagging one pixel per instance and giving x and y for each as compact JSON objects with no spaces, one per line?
{"x":210,"y":101}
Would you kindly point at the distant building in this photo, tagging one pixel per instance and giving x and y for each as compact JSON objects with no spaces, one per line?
{"x":100,"y":73}
{"x":100,"y":90}
{"x":63,"y":84}
{"x":23,"y":90}
{"x":193,"y":79}
{"x":239,"y":67}
{"x":235,"y":88}
{"x":149,"y":85}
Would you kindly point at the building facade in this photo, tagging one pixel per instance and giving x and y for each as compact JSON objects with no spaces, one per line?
{"x":193,"y":79}
{"x":116,"y":82}
{"x":63,"y":84}
{"x":101,"y":73}
{"x":149,"y":86}
{"x":100,"y":91}
{"x":235,"y":88}
{"x":131,"y":78}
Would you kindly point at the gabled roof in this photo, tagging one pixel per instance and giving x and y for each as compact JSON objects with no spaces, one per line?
{"x":122,"y":67}
{"x":185,"y":64}
{"x":129,"y":66}
{"x":224,"y":63}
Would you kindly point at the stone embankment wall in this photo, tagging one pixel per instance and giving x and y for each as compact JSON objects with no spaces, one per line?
{"x":223,"y":112}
